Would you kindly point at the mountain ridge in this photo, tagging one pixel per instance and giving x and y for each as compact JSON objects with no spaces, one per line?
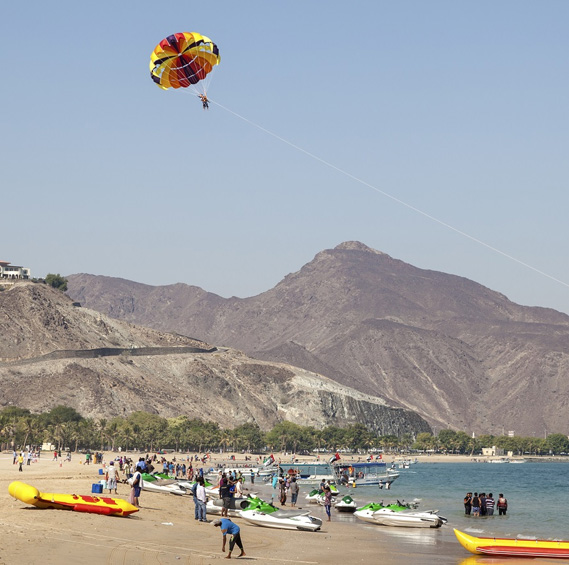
{"x":54,"y":352}
{"x":437,"y":343}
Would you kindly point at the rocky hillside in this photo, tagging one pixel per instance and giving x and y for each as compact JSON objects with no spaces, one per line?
{"x":460,"y":354}
{"x":54,"y":352}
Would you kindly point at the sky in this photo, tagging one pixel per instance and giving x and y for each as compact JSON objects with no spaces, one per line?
{"x":436,"y":132}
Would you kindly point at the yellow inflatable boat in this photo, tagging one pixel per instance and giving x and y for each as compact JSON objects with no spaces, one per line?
{"x":514,"y":547}
{"x":94,"y":504}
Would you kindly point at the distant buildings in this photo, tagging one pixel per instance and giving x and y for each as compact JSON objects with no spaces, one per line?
{"x":13,"y":272}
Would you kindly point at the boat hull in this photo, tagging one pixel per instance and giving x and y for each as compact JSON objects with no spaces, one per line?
{"x":512,"y":547}
{"x":92,"y":504}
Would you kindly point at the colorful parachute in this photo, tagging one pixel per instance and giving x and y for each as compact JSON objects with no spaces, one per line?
{"x":182,"y":60}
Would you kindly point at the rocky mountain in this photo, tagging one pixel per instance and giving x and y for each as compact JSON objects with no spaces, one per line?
{"x":461,"y":355}
{"x":52,"y":351}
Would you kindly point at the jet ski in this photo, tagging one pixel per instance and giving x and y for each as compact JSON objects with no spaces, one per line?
{"x":154,"y":486}
{"x":401,"y":517}
{"x":215,"y":506}
{"x":283,"y":519}
{"x":347,"y":504}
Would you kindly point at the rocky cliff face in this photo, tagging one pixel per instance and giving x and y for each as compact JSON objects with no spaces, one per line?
{"x":458,"y":353}
{"x":53,"y":352}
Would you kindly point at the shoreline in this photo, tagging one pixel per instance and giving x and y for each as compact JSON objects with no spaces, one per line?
{"x":164,"y":530}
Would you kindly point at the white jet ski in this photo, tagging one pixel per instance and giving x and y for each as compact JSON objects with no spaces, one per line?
{"x":283,"y":519}
{"x":153,"y":486}
{"x":214,"y":506}
{"x":347,"y":504}
{"x":403,"y":518}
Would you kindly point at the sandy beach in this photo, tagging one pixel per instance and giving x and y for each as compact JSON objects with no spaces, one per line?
{"x":164,"y":530}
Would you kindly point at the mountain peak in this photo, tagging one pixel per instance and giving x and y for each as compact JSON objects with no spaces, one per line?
{"x":357,"y":246}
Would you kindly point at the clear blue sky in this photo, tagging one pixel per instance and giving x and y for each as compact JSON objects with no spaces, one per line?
{"x":458,"y":109}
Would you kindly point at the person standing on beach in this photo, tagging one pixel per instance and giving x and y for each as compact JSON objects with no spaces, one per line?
{"x":20,"y":461}
{"x":194,"y":490}
{"x":468,"y":503}
{"x":482,"y":504}
{"x":293,"y":491}
{"x":112,"y":477}
{"x":328,"y":501}
{"x":489,"y":505}
{"x":137,"y":487}
{"x":201,"y":499}
{"x":225,"y":495}
{"x":228,"y":527}
{"x":282,"y":491}
{"x":502,"y":505}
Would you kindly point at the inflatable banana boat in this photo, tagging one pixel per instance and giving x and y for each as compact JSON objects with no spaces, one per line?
{"x":93,"y":504}
{"x":514,"y":547}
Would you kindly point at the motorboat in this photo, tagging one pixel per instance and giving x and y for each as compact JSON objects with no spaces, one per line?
{"x":308,"y":473}
{"x":365,"y":474}
{"x":283,"y":519}
{"x":514,"y":547}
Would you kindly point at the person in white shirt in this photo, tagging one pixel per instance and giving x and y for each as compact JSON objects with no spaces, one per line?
{"x":201,"y":499}
{"x":112,"y":477}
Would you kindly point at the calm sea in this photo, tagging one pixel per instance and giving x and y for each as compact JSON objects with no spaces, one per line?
{"x":538,"y":505}
{"x":537,"y":493}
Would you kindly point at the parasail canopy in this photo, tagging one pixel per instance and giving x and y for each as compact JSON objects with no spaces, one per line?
{"x":183,"y":60}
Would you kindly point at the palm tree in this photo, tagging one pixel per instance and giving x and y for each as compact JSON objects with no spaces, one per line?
{"x":102,"y":428}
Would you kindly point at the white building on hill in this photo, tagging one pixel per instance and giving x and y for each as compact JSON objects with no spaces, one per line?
{"x":13,"y":272}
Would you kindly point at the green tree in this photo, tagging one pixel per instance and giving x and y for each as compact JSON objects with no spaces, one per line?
{"x":447,"y":440}
{"x":151,"y":429}
{"x":557,"y":443}
{"x":286,"y":436}
{"x":462,"y":442}
{"x":249,"y":436}
{"x":357,"y":436}
{"x":56,"y":281}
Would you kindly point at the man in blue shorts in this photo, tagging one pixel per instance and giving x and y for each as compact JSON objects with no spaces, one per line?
{"x":228,"y":527}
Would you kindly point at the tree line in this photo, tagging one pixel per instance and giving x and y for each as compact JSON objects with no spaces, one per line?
{"x":65,"y":428}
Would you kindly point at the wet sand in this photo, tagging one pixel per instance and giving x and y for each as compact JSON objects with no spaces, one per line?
{"x":164,"y":530}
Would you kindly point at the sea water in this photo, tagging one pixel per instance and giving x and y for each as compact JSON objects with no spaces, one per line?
{"x":537,"y":494}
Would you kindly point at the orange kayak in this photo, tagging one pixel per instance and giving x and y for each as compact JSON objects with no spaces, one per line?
{"x":94,"y":504}
{"x":514,"y":547}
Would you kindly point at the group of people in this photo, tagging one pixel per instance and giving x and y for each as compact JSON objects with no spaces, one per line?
{"x":483,"y":504}
{"x":22,"y":458}
{"x":285,"y":485}
{"x":200,"y":499}
{"x":230,"y":486}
